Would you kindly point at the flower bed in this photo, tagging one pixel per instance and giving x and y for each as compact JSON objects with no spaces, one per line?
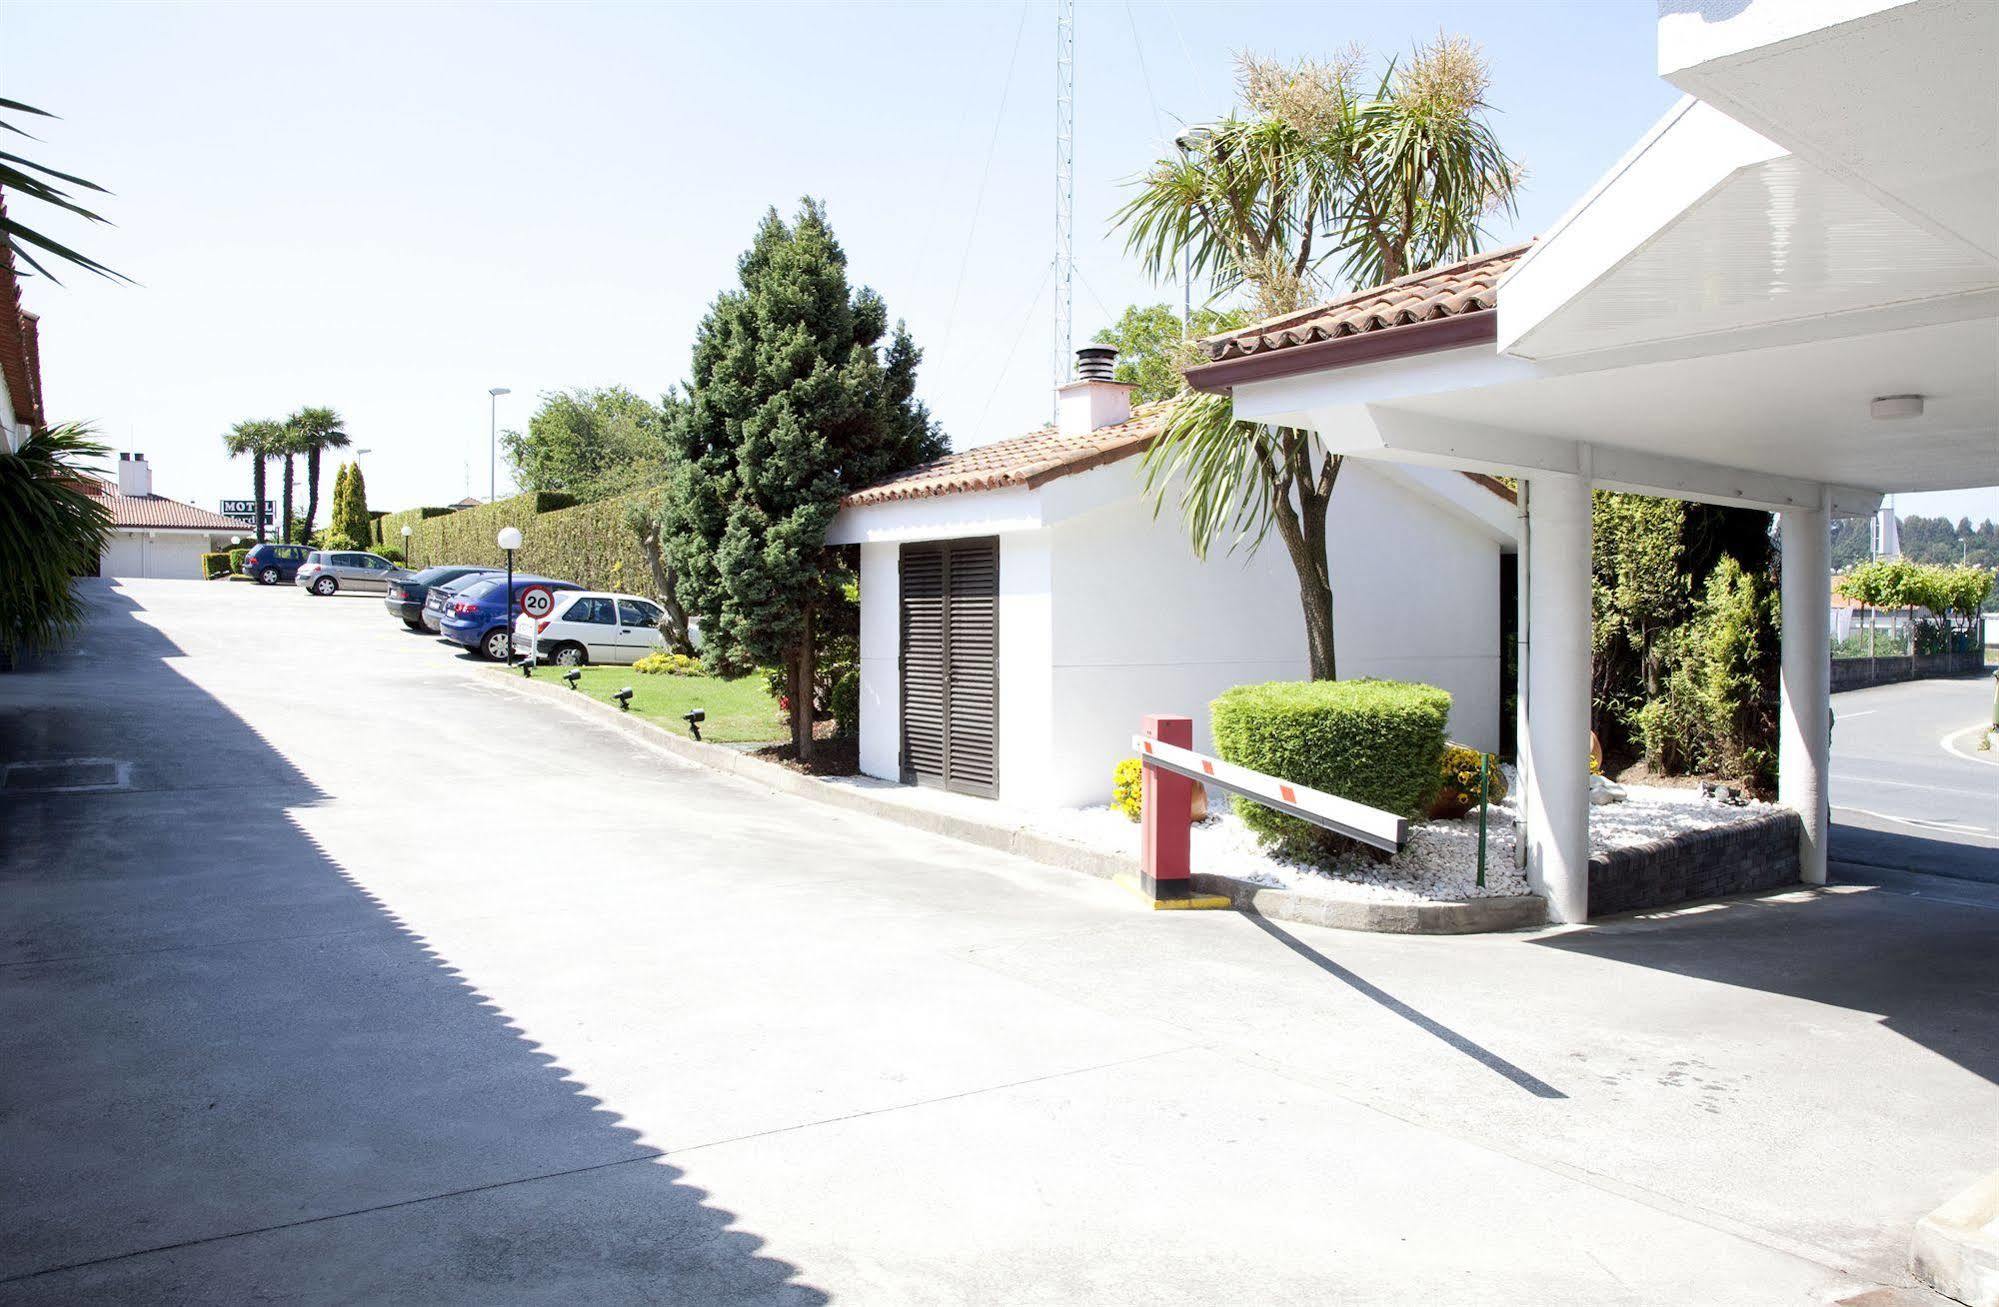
{"x":1440,"y":863}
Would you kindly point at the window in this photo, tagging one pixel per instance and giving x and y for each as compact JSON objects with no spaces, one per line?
{"x":480,"y":591}
{"x":637,"y":612}
{"x":592,"y":611}
{"x":375,"y":562}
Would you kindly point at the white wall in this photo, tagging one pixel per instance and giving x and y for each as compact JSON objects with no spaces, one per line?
{"x":1107,"y":616}
{"x":168,"y":554}
{"x":881,"y":661}
{"x":1141,"y":626}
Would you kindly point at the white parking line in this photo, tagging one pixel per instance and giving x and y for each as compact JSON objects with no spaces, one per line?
{"x":1851,"y":779}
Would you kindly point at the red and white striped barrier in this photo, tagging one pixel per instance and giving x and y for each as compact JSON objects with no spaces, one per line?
{"x":1171,"y":766}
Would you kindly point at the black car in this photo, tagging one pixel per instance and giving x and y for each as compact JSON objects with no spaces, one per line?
{"x":274,"y":564}
{"x":406,"y":594}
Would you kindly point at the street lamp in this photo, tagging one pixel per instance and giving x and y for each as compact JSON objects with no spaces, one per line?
{"x":510,"y":540}
{"x":407,"y":560}
{"x":493,"y":449}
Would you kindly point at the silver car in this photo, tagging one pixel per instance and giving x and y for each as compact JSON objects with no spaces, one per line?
{"x":328,"y":571}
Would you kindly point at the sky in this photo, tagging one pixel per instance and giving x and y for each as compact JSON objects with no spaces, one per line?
{"x":391,"y":209}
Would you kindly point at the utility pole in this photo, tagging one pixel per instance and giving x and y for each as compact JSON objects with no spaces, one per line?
{"x":1065,"y":182}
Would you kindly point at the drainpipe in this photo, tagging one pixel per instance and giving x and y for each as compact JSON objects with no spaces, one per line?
{"x":1523,"y":631}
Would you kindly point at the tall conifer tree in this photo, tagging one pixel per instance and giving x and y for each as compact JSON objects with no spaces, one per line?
{"x":796,"y":399}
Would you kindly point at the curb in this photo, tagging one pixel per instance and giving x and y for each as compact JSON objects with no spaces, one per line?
{"x":1472,"y":916}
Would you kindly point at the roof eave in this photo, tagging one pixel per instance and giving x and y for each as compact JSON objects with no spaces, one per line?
{"x":1220,"y":377}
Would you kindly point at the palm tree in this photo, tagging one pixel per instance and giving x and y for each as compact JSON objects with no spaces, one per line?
{"x":260,"y":439}
{"x":1312,"y":171}
{"x":319,"y":429}
{"x":51,"y":532}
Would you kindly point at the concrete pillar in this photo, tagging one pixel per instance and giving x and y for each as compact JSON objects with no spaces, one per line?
{"x":1804,"y":727}
{"x":1558,"y":673}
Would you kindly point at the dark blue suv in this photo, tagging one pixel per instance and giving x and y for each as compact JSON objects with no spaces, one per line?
{"x":274,"y":564}
{"x":477,"y":616}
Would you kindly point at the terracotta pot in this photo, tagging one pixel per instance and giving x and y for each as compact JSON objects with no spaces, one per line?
{"x":1200,"y":803}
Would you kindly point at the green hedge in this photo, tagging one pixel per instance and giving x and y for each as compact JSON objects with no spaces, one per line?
{"x":1376,"y":742}
{"x":214,"y":565}
{"x":236,"y":557}
{"x":590,"y":544}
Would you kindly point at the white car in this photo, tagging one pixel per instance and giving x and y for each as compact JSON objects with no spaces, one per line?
{"x":592,"y":626}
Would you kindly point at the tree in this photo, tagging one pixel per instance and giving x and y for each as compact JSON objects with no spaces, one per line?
{"x":590,"y":443}
{"x":51,"y":532}
{"x":318,"y":430}
{"x":1312,"y":171}
{"x":349,"y":526}
{"x":796,"y":398}
{"x":1154,"y":347}
{"x":257,"y":439}
{"x":32,"y":180}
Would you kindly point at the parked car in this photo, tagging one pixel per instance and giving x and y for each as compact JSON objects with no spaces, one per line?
{"x":326,"y":571}
{"x":269,"y":564}
{"x":406,"y":596}
{"x":440,"y":594}
{"x":477,"y":616}
{"x":592,"y":626}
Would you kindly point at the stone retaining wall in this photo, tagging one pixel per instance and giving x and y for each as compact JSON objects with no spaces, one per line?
{"x":1758,"y":854}
{"x":1859,"y":673}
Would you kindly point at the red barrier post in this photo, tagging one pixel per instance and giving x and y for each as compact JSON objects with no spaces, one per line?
{"x":1165,"y":855}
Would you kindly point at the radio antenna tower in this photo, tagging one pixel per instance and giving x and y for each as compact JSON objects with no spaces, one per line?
{"x":1065,"y":181}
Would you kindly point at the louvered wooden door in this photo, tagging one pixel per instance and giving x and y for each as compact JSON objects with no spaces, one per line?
{"x":950,"y":665}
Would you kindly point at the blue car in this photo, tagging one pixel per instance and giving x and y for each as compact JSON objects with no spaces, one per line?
{"x":478,"y":616}
{"x":274,"y":564}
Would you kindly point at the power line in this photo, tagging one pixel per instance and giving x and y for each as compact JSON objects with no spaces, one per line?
{"x":1065,"y":188}
{"x":1158,"y":122}
{"x":1018,"y":335}
{"x":978,"y":203}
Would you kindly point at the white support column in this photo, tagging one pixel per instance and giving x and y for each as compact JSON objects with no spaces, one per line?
{"x":1558,"y":674}
{"x":1804,"y":742}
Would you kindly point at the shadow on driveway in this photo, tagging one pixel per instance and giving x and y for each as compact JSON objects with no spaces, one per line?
{"x":231,"y":1074}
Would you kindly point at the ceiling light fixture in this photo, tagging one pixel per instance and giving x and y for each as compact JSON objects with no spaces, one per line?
{"x":1885,"y":407}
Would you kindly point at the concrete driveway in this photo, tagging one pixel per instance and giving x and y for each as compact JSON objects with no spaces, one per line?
{"x":350,"y":975}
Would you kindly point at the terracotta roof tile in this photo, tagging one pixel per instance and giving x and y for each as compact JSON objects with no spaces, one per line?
{"x":160,"y":513}
{"x":1454,"y":290}
{"x":1030,"y":460}
{"x":20,"y":365}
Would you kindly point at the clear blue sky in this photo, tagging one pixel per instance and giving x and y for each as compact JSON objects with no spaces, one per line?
{"x":389,"y":209}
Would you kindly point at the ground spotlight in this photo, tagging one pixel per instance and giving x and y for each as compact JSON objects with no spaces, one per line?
{"x":573,"y":675}
{"x":624,"y":698}
{"x":694,"y":720}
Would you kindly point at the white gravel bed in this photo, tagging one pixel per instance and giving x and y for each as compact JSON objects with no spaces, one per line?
{"x":1440,"y":862}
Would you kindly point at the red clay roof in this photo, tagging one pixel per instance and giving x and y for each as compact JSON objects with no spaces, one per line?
{"x":1454,"y":290}
{"x":1041,"y":456}
{"x":156,"y":512}
{"x":1030,"y":460}
{"x":20,"y":365}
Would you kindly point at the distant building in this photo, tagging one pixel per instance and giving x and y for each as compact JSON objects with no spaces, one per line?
{"x":152,"y":535}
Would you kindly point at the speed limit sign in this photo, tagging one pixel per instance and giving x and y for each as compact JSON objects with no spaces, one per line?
{"x":537,"y":601}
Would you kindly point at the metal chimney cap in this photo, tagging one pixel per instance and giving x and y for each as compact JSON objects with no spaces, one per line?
{"x":1096,"y":362}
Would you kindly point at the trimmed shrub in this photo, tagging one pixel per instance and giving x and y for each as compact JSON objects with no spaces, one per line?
{"x":389,"y":552}
{"x":1376,"y":742}
{"x":1128,"y":788}
{"x":236,"y":557}
{"x":846,"y":704}
{"x":214,"y":565}
{"x":1459,"y":794}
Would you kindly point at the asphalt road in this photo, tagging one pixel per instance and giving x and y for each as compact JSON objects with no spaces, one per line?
{"x":332,"y":969}
{"x":1900,"y":799}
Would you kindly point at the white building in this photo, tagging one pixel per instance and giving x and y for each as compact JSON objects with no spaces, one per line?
{"x":1064,"y":608}
{"x":1784,"y":297}
{"x":152,"y":535}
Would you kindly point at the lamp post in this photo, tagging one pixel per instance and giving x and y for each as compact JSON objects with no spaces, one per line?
{"x":407,"y":560}
{"x":493,"y":448}
{"x":510,"y":540}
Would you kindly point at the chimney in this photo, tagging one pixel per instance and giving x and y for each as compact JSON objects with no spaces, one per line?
{"x":1092,"y":400}
{"x":135,"y":475}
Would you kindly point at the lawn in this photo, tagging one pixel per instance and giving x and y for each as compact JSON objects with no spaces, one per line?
{"x":740,"y":711}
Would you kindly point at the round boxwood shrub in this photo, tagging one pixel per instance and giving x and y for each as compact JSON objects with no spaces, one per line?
{"x":1376,"y":742}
